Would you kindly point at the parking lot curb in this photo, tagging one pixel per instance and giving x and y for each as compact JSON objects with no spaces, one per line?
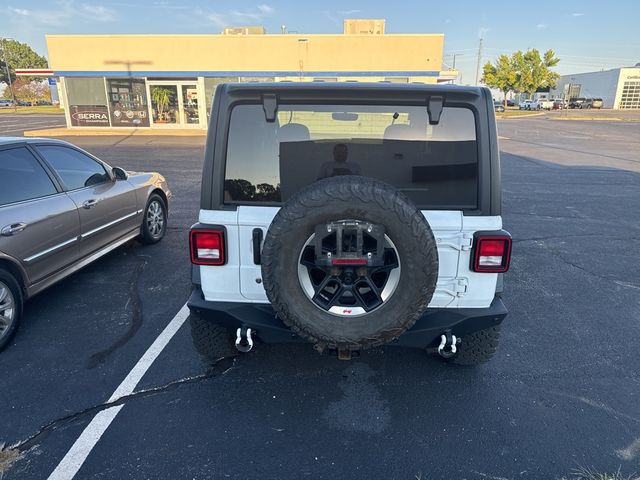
{"x":596,"y":119}
{"x":96,"y":132}
{"x":527,"y":115}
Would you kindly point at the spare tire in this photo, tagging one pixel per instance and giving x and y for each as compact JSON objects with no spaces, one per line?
{"x":381,"y":276}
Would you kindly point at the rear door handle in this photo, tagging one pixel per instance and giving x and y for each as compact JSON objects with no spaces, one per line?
{"x":89,"y":203}
{"x":257,"y":245}
{"x":12,"y":229}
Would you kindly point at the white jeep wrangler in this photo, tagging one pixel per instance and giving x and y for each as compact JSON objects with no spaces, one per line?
{"x":350,"y":215}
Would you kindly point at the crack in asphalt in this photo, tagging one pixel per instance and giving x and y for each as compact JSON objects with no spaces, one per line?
{"x":540,"y":215}
{"x":560,"y":237}
{"x":135,"y":300}
{"x":221,"y":367}
{"x":589,"y":272}
{"x":564,"y":149}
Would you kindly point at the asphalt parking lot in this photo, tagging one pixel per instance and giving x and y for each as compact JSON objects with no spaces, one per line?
{"x":562,"y":391}
{"x":14,"y":125}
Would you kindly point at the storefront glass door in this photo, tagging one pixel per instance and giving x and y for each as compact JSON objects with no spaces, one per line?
{"x":190,"y":112}
{"x":165,"y":108}
{"x":174,"y":103}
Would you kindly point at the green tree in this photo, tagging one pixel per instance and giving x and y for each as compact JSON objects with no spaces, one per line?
{"x":534,"y":70}
{"x":18,"y":55}
{"x":501,"y":75}
{"x":521,"y":72}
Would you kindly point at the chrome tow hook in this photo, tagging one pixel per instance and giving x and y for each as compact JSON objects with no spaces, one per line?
{"x":447,"y":347}
{"x":244,"y":345}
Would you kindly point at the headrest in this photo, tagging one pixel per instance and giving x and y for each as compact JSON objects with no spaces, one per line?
{"x":293,"y":132}
{"x":402,"y":131}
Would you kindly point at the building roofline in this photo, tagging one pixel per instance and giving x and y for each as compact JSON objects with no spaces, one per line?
{"x":215,"y":35}
{"x":599,"y":71}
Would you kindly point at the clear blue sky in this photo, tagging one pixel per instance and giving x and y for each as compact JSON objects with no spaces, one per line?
{"x":586,"y":35}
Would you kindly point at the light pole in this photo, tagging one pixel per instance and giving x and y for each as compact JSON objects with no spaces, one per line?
{"x":6,"y":66}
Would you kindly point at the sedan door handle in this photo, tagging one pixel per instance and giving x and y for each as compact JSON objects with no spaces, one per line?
{"x":89,"y":203}
{"x":12,"y":229}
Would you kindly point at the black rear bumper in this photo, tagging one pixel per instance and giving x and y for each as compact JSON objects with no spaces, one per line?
{"x":426,"y":332}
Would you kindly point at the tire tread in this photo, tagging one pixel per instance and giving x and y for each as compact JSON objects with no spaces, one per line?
{"x":344,"y":189}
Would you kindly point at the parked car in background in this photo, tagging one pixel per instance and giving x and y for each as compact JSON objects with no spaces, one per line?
{"x":545,"y":104}
{"x":591,"y":103}
{"x":526,"y":105}
{"x":43,"y":102}
{"x":6,"y":103}
{"x":61,"y":208}
{"x":559,"y":104}
{"x":576,"y":102}
{"x":511,"y":103}
{"x":498,"y":106}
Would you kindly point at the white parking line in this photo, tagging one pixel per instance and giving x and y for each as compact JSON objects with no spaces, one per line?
{"x":80,"y":450}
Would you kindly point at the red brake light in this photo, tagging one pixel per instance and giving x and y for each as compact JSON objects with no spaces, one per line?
{"x":492,"y":254}
{"x":207,"y":247}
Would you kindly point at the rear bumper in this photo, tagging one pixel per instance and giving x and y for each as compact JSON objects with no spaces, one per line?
{"x":426,"y":332}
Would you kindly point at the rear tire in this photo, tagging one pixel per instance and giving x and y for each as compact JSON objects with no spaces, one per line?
{"x":154,"y":220}
{"x":211,"y":340}
{"x":478,"y":347}
{"x":10,"y":307}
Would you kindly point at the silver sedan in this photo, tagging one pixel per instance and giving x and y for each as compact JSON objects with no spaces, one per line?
{"x":61,"y":208}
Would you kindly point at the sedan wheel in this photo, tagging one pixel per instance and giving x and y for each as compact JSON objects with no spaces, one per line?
{"x":7,"y":309}
{"x":154,"y":224}
{"x":155,"y":218}
{"x":10,"y":307}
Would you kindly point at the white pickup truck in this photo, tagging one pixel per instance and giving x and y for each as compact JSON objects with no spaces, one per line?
{"x":541,"y":104}
{"x":545,"y":104}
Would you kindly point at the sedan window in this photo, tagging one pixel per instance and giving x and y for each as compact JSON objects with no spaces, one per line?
{"x":22,"y":177}
{"x":76,"y":169}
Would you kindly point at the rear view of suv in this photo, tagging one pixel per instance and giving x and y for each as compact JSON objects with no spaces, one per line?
{"x":350,"y":216}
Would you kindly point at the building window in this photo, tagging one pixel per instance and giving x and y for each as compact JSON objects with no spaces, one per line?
{"x":87,"y":102}
{"x":128,"y":102}
{"x":630,"y":95}
{"x":210,"y":84}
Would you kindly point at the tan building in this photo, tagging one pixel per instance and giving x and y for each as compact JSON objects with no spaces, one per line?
{"x":167,"y":81}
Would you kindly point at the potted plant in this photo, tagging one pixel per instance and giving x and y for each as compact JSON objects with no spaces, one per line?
{"x":162,"y":98}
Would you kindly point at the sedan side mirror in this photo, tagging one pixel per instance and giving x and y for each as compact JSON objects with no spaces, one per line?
{"x":120,"y":173}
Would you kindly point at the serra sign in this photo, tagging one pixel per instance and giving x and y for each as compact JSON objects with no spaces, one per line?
{"x":89,"y":115}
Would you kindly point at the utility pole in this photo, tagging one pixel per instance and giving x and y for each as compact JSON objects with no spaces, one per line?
{"x":6,"y":66}
{"x":479,"y":61}
{"x":454,"y":59}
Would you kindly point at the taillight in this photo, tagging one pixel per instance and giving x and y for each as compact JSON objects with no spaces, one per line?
{"x":207,"y":247}
{"x":492,"y":253}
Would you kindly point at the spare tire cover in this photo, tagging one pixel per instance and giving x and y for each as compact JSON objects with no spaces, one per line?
{"x":353,"y":199}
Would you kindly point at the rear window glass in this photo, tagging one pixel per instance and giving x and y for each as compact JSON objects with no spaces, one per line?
{"x":436,"y":166}
{"x":22,"y":177}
